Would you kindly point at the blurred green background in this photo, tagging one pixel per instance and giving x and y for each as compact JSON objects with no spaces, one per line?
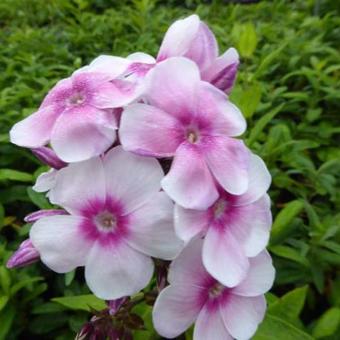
{"x":288,"y":90}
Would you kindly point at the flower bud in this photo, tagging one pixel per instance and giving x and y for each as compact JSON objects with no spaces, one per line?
{"x":48,"y":156}
{"x":24,"y":256}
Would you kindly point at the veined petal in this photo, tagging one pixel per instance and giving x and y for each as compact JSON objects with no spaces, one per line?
{"x":260,"y":276}
{"x":35,"y":130}
{"x":114,"y":271}
{"x":149,"y":131}
{"x":75,"y":187}
{"x":176,"y":308}
{"x":59,"y":242}
{"x":248,"y":309}
{"x":172,"y":86}
{"x":152,"y":228}
{"x":209,"y":325}
{"x":189,"y":222}
{"x":83,"y":133}
{"x":250,"y":225}
{"x":132,"y":179}
{"x":228,"y":160}
{"x":179,"y":37}
{"x":223,"y":258}
{"x":189,"y":182}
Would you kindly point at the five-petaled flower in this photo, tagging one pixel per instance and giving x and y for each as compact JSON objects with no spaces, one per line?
{"x":118,"y":220}
{"x":219,"y":312}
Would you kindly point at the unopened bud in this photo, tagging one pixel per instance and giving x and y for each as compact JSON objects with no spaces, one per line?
{"x":48,"y":156}
{"x":24,"y":256}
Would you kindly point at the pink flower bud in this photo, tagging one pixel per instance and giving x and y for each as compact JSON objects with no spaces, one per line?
{"x":48,"y":156}
{"x":24,"y":256}
{"x":114,"y":305}
{"x":36,"y":215}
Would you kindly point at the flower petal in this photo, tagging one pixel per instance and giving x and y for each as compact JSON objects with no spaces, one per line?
{"x":189,"y":223}
{"x":260,"y":276}
{"x":74,"y":188}
{"x":228,"y":160}
{"x":45,"y":181}
{"x":223,"y":258}
{"x":242,"y":315}
{"x":179,"y":37}
{"x":223,"y":116}
{"x":189,"y":182}
{"x":149,"y":131}
{"x":187,"y":267}
{"x":35,"y":130}
{"x":152,"y":228}
{"x":131,"y":178}
{"x":250,"y":225}
{"x":83,"y":133}
{"x":176,"y":308}
{"x":59,"y":242}
{"x":172,"y":86}
{"x":141,"y":57}
{"x":117,"y":270}
{"x":209,"y":325}
{"x":259,"y":181}
{"x":222,"y":71}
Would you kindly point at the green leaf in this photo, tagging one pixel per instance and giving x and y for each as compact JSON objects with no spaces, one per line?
{"x":6,"y":320}
{"x":290,"y":254}
{"x":328,"y":323}
{"x":274,"y":327}
{"x":5,"y":279}
{"x":39,"y":199}
{"x":3,"y":302}
{"x":81,"y":302}
{"x":14,"y":175}
{"x":290,"y":305}
{"x":283,"y":221}
{"x":247,"y":40}
{"x":69,"y":277}
{"x":23,"y":283}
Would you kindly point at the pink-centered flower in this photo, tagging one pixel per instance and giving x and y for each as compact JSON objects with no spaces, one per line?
{"x":193,"y":121}
{"x":118,"y":220}
{"x":76,"y":116}
{"x":219,"y":312}
{"x":235,"y":227}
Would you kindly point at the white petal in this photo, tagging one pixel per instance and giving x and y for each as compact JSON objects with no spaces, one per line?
{"x":152,"y":229}
{"x":242,"y":315}
{"x":141,"y":57}
{"x":117,"y":270}
{"x":59,"y":242}
{"x":45,"y":181}
{"x":189,"y":223}
{"x":210,"y":326}
{"x":176,"y":308}
{"x":260,"y":276}
{"x":131,"y":178}
{"x":75,"y":185}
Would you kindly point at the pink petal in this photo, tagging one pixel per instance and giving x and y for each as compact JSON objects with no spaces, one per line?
{"x":35,"y":130}
{"x":188,"y":268}
{"x":225,"y":118}
{"x":250,"y":225}
{"x":82,"y":133}
{"x":189,"y":182}
{"x":259,"y":181}
{"x":141,"y":57}
{"x":228,"y":160}
{"x":222,"y":71}
{"x":260,"y":276}
{"x":117,"y":270}
{"x":37,"y":215}
{"x":172,"y":87}
{"x":176,"y":308}
{"x":147,"y":130}
{"x":59,"y":242}
{"x":223,"y":258}
{"x":152,"y":228}
{"x":189,"y":223}
{"x":179,"y":37}
{"x":242,"y":315}
{"x":203,"y":49}
{"x":209,"y":325}
{"x":132,"y":179}
{"x":75,"y":187}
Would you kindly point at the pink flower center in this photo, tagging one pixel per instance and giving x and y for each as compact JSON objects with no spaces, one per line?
{"x":76,"y":99}
{"x":219,"y":208}
{"x":192,"y":136}
{"x":106,"y":221}
{"x":216,"y":290}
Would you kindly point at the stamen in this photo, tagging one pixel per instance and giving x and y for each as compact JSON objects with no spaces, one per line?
{"x":76,"y":99}
{"x":106,"y":221}
{"x":192,"y":136}
{"x":216,"y":290}
{"x":219,"y":208}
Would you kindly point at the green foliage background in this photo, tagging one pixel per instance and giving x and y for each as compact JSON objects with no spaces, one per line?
{"x":288,"y":89}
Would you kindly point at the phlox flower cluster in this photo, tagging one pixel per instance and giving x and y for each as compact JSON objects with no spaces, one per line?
{"x":147,"y":164}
